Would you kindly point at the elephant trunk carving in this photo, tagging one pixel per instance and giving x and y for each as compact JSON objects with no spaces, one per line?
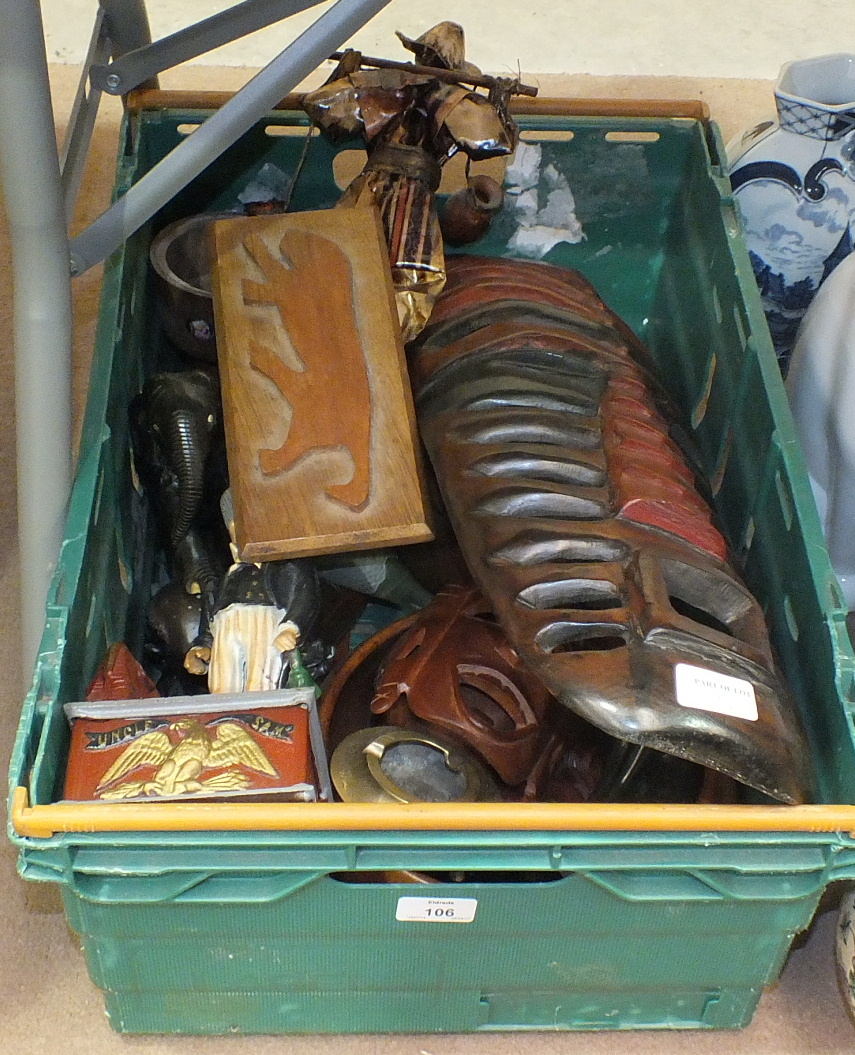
{"x":189,"y":445}
{"x":199,"y":566}
{"x":176,"y":423}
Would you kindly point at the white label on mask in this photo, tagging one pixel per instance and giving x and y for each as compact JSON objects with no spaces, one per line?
{"x":707,"y":690}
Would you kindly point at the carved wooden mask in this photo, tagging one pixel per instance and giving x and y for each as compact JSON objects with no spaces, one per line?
{"x":455,"y":669}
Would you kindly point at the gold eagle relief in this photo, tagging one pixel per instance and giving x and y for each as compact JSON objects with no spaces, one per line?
{"x":180,"y":754}
{"x":311,"y":286}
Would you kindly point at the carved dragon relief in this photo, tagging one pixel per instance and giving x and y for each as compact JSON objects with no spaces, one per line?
{"x":323,"y":332}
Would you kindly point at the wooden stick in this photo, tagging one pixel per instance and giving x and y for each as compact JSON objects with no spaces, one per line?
{"x":695,"y":109}
{"x":441,"y":74}
{"x":190,"y":99}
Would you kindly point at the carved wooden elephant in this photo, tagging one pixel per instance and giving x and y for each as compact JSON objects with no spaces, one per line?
{"x":179,"y":450}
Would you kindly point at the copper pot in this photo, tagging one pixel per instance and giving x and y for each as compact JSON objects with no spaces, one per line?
{"x":469,"y":212}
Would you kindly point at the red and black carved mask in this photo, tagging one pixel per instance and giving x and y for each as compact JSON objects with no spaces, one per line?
{"x":455,"y":669}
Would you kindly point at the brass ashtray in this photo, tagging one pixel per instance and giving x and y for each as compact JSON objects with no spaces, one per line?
{"x":389,"y":764}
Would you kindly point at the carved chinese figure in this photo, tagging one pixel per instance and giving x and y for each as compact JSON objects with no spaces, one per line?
{"x":411,"y":124}
{"x":262,"y":611}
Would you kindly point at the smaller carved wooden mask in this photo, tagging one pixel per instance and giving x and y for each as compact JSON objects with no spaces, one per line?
{"x":455,"y":670}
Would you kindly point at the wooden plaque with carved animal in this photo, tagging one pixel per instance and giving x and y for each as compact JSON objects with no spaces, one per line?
{"x":322,"y":443}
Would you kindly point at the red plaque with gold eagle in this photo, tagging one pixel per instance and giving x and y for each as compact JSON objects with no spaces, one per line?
{"x":252,"y":746}
{"x":320,"y":427}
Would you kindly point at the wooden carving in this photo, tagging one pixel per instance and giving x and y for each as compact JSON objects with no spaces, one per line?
{"x":317,"y":407}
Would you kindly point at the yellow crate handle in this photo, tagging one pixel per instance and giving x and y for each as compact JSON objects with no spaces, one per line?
{"x":41,"y":822}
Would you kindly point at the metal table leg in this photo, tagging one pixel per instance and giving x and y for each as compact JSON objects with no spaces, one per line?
{"x":43,"y":259}
{"x":218,"y":132}
{"x":29,"y":170}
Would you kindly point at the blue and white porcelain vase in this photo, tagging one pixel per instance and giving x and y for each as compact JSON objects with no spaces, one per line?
{"x":794,"y":180}
{"x":821,"y":388}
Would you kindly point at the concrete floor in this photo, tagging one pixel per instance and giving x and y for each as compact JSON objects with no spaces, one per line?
{"x":681,"y":38}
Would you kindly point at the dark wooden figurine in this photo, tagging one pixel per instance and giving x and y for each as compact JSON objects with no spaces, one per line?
{"x":412,"y":121}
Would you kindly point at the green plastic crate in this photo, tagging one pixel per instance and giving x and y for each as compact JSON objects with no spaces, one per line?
{"x":577,"y":926}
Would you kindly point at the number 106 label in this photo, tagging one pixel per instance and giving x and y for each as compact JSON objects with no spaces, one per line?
{"x":436,"y":909}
